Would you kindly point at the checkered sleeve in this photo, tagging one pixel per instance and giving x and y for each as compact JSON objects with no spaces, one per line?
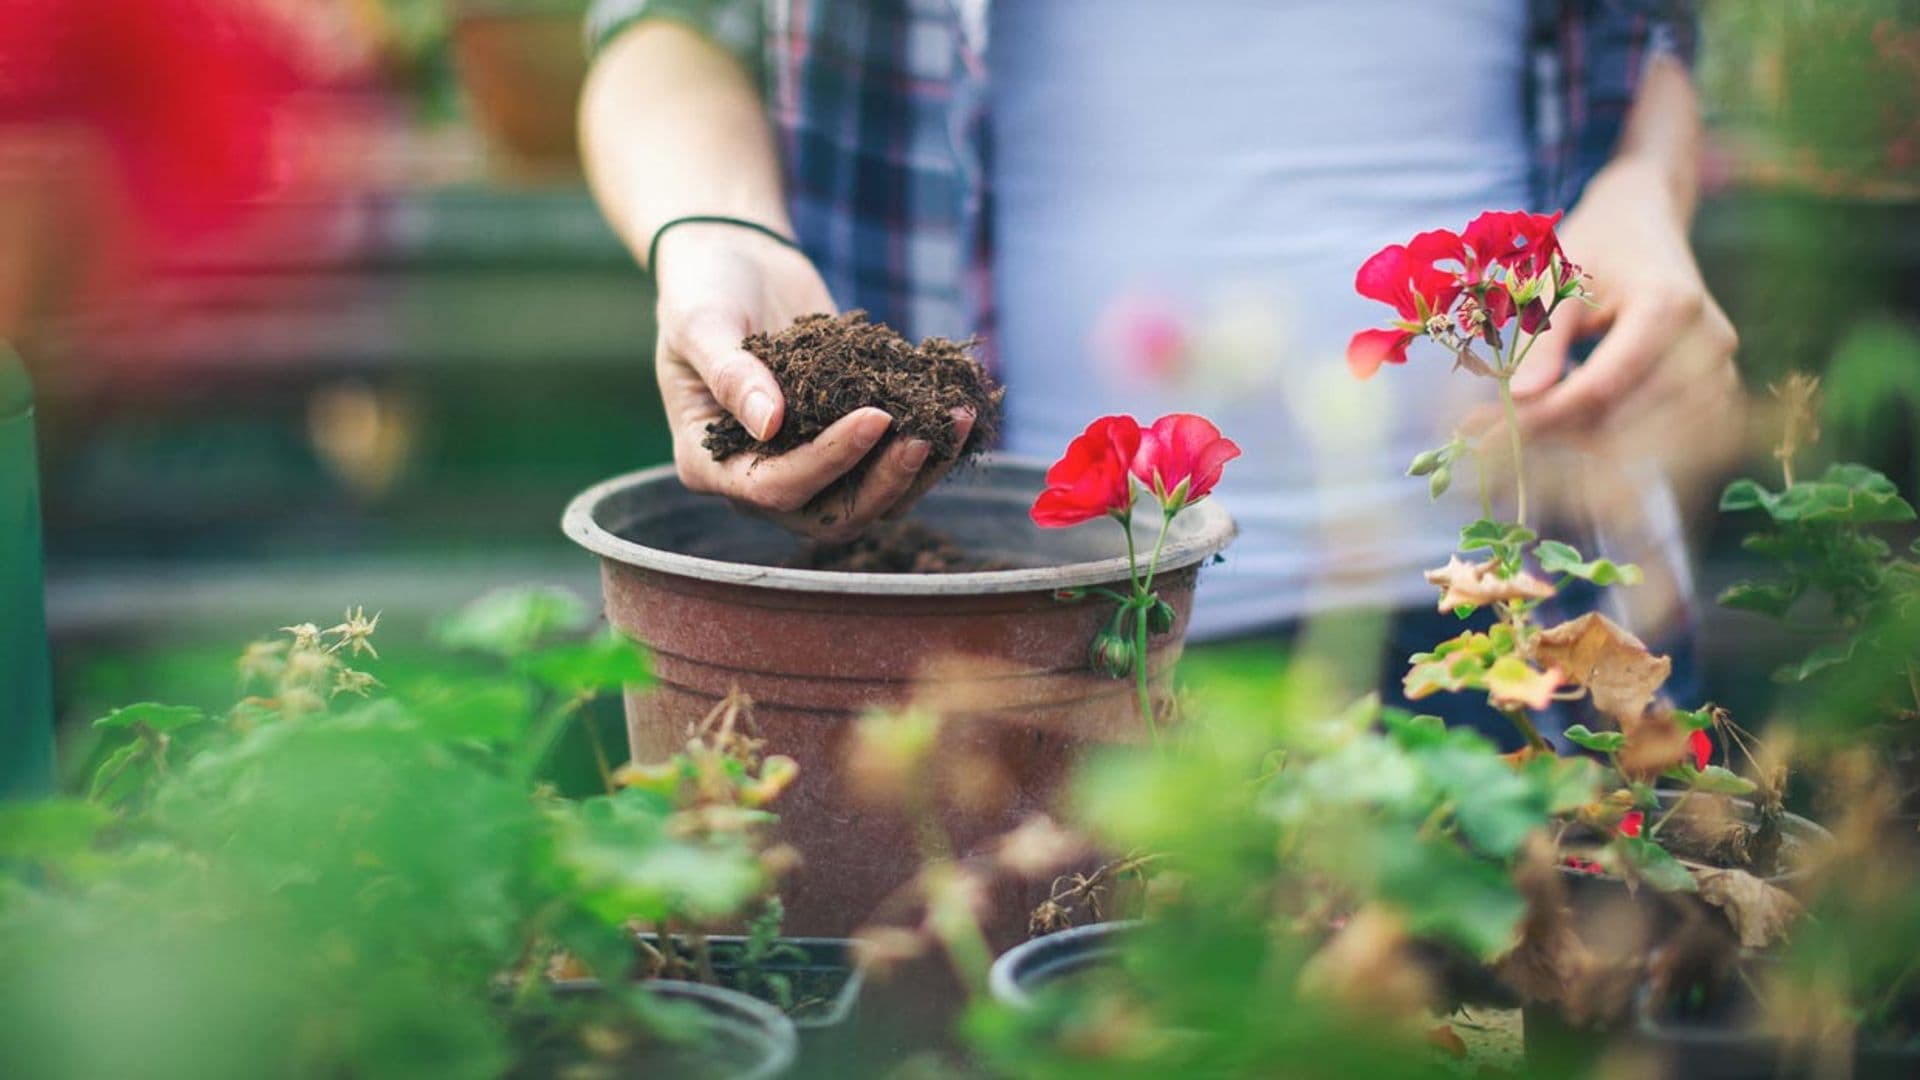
{"x":734,"y":25}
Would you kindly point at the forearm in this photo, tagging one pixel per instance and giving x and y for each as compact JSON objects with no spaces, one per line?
{"x":671,"y":125}
{"x":1663,"y":134}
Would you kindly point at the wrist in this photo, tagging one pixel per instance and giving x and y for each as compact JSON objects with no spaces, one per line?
{"x":1657,"y":187}
{"x":690,"y":237}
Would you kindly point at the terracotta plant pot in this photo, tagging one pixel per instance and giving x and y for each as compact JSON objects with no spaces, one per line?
{"x":521,"y":72}
{"x":702,"y":587}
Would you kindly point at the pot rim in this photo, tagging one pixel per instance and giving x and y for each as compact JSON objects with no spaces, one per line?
{"x":774,"y":1030}
{"x":1213,"y":530}
{"x":1007,"y":979}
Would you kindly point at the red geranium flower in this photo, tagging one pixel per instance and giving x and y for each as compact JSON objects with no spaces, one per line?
{"x":1092,"y":479}
{"x":1702,"y":746}
{"x":1511,"y":240}
{"x":1180,"y":459}
{"x":1630,"y":823}
{"x":1403,"y":275}
{"x":1585,"y":866}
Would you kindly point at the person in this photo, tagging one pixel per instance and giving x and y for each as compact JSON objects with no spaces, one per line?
{"x":1017,"y":170}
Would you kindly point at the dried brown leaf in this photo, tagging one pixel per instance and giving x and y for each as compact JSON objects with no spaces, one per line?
{"x":1761,"y":913}
{"x":1479,"y":584}
{"x":1616,"y":667}
{"x":1365,"y":966}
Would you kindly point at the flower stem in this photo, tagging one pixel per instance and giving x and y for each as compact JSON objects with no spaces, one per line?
{"x":1525,"y":724}
{"x":1513,"y":433}
{"x":1139,"y":613}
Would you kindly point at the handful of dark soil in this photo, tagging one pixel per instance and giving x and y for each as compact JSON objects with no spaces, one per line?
{"x":894,"y":547}
{"x":829,"y":365}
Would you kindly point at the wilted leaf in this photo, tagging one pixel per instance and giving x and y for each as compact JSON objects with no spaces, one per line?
{"x":1366,"y":967}
{"x":1615,"y":666}
{"x":1472,"y":585}
{"x":1443,"y":1038}
{"x":152,"y":715}
{"x":1655,"y":744}
{"x":1510,"y":681}
{"x":1762,"y":914}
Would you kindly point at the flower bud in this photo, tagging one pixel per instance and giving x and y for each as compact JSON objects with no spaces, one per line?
{"x":1112,"y":654}
{"x":1439,"y":482}
{"x":1159,"y":616}
{"x":1426,"y":462}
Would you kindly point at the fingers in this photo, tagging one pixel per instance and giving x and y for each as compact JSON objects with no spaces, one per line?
{"x":1641,"y":333}
{"x":937,"y":471}
{"x":888,"y":480}
{"x":787,"y":483}
{"x":709,"y":340}
{"x":1548,"y":357}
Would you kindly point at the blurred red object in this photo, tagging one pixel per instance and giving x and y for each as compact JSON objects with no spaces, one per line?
{"x":183,"y":95}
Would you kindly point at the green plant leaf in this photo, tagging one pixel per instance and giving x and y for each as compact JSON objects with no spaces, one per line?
{"x":1413,"y":731}
{"x":1558,"y":558}
{"x":1767,"y":598}
{"x":118,"y":775}
{"x":1820,"y":659}
{"x":151,"y":715}
{"x":604,"y":662}
{"x":1720,"y":780}
{"x":1694,"y":720}
{"x":50,"y":828}
{"x":1653,"y":864}
{"x":1846,"y":494}
{"x":1605,"y":742}
{"x":509,"y":622}
{"x":1567,"y":783}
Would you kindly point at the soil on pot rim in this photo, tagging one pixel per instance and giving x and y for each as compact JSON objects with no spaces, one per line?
{"x":829,"y":365}
{"x":895,"y":547}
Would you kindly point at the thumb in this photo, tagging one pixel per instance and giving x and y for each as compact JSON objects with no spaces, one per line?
{"x":1547,"y":359}
{"x":737,"y":379}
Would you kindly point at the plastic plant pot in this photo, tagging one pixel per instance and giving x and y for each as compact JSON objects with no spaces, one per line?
{"x":734,"y":1037}
{"x":1024,"y":970}
{"x":705,"y":590}
{"x":1719,"y":1034}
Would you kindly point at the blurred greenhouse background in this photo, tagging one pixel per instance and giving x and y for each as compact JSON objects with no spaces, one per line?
{"x":379,"y":384}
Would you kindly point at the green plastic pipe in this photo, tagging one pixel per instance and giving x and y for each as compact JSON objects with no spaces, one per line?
{"x":26,"y":684}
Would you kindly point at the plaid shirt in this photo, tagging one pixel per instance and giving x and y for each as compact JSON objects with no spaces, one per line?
{"x":880,"y":106}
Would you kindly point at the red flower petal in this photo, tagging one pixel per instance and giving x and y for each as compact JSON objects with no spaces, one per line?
{"x":1631,"y":823}
{"x":1702,"y":746}
{"x":1371,"y":348}
{"x":1182,"y":449}
{"x":1091,"y":479}
{"x":1383,"y":277}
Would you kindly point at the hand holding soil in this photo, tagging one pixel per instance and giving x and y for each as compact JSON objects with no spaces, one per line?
{"x":914,"y":411}
{"x":719,"y":284}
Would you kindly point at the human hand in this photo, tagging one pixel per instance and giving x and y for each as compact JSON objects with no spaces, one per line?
{"x":718,"y":283}
{"x":1661,"y":381}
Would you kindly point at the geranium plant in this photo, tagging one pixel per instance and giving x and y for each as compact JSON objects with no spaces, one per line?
{"x":1485,"y":295}
{"x":339,"y":877}
{"x":1178,"y":460}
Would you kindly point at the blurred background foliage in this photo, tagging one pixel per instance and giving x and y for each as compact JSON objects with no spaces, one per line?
{"x":381,"y":381}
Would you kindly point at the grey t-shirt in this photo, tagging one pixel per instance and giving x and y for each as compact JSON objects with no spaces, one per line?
{"x":1232,"y":162}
